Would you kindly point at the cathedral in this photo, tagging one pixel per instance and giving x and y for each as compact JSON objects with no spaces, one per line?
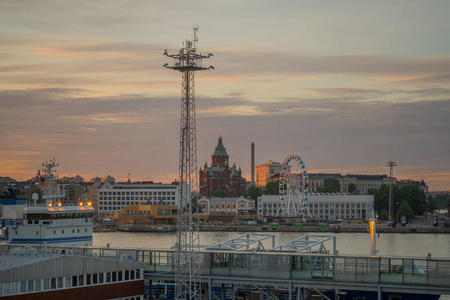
{"x":220,"y":175}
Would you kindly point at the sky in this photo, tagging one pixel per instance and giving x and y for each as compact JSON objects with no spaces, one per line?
{"x":347,"y":85}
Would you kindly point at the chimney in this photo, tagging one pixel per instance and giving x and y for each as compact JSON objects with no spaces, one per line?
{"x":253,"y":162}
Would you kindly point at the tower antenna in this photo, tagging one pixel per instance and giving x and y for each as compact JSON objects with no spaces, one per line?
{"x":187,"y":274}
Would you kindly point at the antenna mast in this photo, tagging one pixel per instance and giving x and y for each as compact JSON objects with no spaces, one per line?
{"x":391,"y":164}
{"x":187,"y":274}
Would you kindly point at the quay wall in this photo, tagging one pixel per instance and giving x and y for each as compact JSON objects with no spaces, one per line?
{"x":281,"y":228}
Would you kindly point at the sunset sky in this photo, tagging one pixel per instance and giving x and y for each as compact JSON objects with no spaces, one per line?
{"x":347,"y":85}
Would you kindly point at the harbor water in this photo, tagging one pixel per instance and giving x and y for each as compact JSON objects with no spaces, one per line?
{"x":388,"y":244}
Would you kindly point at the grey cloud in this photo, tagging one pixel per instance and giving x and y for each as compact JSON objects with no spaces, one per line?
{"x":272,"y":62}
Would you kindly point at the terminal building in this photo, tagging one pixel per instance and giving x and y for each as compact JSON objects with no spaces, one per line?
{"x":27,"y":274}
{"x":113,"y":197}
{"x":326,"y":207}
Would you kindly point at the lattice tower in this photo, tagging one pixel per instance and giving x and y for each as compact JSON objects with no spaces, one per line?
{"x":187,"y":274}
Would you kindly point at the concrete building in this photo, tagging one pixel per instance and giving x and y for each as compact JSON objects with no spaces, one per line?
{"x":266,"y":171}
{"x":225,"y":206}
{"x":114,"y":197}
{"x":326,"y":207}
{"x":26,"y":274}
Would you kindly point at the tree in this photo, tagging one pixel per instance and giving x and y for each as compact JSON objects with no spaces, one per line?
{"x":219,"y":193}
{"x":381,"y":199}
{"x":253,"y":192}
{"x":405,"y":210}
{"x":351,"y":188}
{"x":330,"y":185}
{"x":272,"y":188}
{"x":415,"y":197}
{"x":442,"y":201}
{"x":432,"y":203}
{"x":195,"y":205}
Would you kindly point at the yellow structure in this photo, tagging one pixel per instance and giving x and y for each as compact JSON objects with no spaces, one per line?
{"x":148,"y":214}
{"x":264,"y":172}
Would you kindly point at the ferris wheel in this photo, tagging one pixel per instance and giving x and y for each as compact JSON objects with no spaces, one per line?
{"x":294,"y":188}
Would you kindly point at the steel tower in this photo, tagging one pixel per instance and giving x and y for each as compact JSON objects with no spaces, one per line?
{"x":187,"y":274}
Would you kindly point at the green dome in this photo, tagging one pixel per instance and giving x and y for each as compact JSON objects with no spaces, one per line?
{"x":220,"y":149}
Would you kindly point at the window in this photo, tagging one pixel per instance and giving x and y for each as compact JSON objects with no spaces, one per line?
{"x":81,"y":280}
{"x":68,"y":282}
{"x":46,"y":284}
{"x":94,"y":278}
{"x":31,"y":285}
{"x":23,"y":286}
{"x":37,"y":285}
{"x":100,"y":278}
{"x":88,"y":279}
{"x":108,"y":277}
{"x":53,"y":283}
{"x":60,"y":282}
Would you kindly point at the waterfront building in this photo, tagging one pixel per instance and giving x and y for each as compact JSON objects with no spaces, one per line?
{"x":114,"y":197}
{"x":324,"y":206}
{"x":149,"y":214}
{"x":220,"y":175}
{"x":267,"y":172}
{"x":421,"y":184}
{"x":26,"y":274}
{"x":225,"y":205}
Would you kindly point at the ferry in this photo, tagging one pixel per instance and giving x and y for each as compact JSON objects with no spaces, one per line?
{"x":53,"y":222}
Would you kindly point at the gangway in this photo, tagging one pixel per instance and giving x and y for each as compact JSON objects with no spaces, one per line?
{"x":244,"y":242}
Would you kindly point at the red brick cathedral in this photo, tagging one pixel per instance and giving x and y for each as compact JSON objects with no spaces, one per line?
{"x":220,"y":175}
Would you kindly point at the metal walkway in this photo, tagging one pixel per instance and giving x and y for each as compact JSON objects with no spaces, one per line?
{"x":293,"y":271}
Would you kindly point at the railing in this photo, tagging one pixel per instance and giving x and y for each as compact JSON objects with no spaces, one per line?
{"x":407,"y":272}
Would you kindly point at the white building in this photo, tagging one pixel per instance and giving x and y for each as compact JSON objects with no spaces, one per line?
{"x":326,"y":207}
{"x":225,"y":205}
{"x":113,"y":197}
{"x":363,"y":183}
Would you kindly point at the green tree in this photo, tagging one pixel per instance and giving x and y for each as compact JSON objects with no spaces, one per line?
{"x":442,"y":201}
{"x":219,"y":193}
{"x":351,"y":188}
{"x":405,"y":210}
{"x":415,"y":197}
{"x":381,"y":199}
{"x":253,"y":192}
{"x":195,"y":206}
{"x":272,"y":188}
{"x":432,"y":203}
{"x":330,"y":185}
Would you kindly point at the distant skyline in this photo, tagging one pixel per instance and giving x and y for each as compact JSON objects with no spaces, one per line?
{"x":347,"y":85}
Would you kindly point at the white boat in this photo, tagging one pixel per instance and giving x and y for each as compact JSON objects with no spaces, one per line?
{"x":52,"y":222}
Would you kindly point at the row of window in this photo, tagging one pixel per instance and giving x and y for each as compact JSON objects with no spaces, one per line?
{"x":46,"y":284}
{"x":117,"y":208}
{"x":136,"y":198}
{"x":134,"y":193}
